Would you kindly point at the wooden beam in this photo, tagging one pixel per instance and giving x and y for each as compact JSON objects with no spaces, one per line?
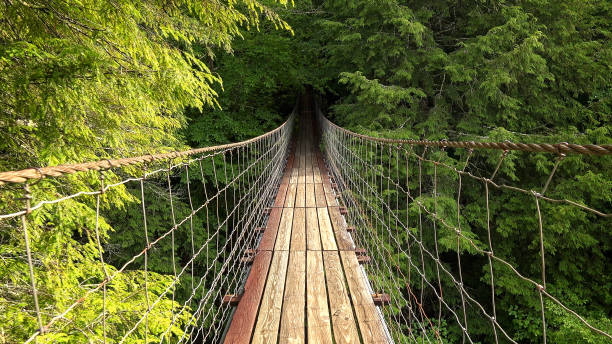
{"x":327,"y":233}
{"x":381,"y":299}
{"x":370,"y":324}
{"x":243,"y":322}
{"x":231,"y":299}
{"x":363,"y":259}
{"x":343,"y":239}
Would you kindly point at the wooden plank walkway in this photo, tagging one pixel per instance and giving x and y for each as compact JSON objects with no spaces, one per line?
{"x":306,"y":284}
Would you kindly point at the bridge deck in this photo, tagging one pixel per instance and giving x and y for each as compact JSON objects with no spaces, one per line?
{"x":306,"y":284}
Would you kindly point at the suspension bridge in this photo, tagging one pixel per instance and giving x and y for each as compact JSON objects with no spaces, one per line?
{"x":308,"y":233}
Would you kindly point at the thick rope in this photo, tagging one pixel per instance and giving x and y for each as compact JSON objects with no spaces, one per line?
{"x":23,"y":176}
{"x":557,"y":148}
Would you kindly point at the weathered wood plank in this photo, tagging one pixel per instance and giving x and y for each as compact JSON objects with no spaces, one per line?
{"x":302,"y":157}
{"x":243,"y":321}
{"x":327,"y":233}
{"x":268,"y":320}
{"x":284,"y":230}
{"x":310,"y":195}
{"x":269,"y":237}
{"x":316,"y":175}
{"x":343,"y":239}
{"x":287,"y":171}
{"x":279,"y":201}
{"x":330,"y":196}
{"x":298,"y":231}
{"x":300,"y":197}
{"x":292,"y":328}
{"x":302,"y":176}
{"x":313,"y":236}
{"x":320,"y":195}
{"x":319,"y":326}
{"x":343,"y":322}
{"x":294,"y":175}
{"x":369,"y":322}
{"x":309,"y":168}
{"x":290,"y":198}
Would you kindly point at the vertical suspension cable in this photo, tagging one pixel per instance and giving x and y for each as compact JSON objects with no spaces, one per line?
{"x":101,"y":256}
{"x":146,"y":253}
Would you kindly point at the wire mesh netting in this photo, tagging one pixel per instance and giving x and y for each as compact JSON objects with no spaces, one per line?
{"x":140,"y":253}
{"x":434,"y":222}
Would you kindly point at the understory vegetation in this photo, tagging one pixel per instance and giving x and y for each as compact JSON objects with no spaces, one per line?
{"x":90,"y":80}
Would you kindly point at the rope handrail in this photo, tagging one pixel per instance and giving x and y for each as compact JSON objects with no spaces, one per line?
{"x":556,"y":148}
{"x":22,"y":176}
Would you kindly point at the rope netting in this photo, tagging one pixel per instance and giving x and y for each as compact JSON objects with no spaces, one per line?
{"x":183,"y":223}
{"x":434,"y":220}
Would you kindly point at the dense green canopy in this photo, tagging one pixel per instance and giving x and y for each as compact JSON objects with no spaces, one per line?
{"x":83,"y":80}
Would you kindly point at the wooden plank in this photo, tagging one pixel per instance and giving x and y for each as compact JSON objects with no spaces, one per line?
{"x":316,"y":173}
{"x":284,"y":230}
{"x":309,"y":172}
{"x":319,"y":326}
{"x":343,"y":239}
{"x":302,"y":171}
{"x":287,"y":171}
{"x":294,"y":175}
{"x":322,"y":167}
{"x":327,"y":233}
{"x":343,"y":322}
{"x":369,"y":322}
{"x":269,"y":237}
{"x":243,"y":321}
{"x":320,"y":195}
{"x":290,"y":199}
{"x":298,"y":232}
{"x":330,"y":196}
{"x":268,"y":320}
{"x":292,"y":328}
{"x":302,"y":158}
{"x":310,"y":195}
{"x":280,"y":196}
{"x":302,"y":175}
{"x":312,"y":229}
{"x":300,"y":197}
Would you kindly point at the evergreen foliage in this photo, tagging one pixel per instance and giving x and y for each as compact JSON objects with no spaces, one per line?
{"x":86,"y":80}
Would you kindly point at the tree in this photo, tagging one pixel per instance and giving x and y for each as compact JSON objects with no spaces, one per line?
{"x":88,"y":80}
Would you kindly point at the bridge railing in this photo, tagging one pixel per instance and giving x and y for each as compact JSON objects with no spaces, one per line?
{"x":134,"y":250}
{"x":476,"y":242}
